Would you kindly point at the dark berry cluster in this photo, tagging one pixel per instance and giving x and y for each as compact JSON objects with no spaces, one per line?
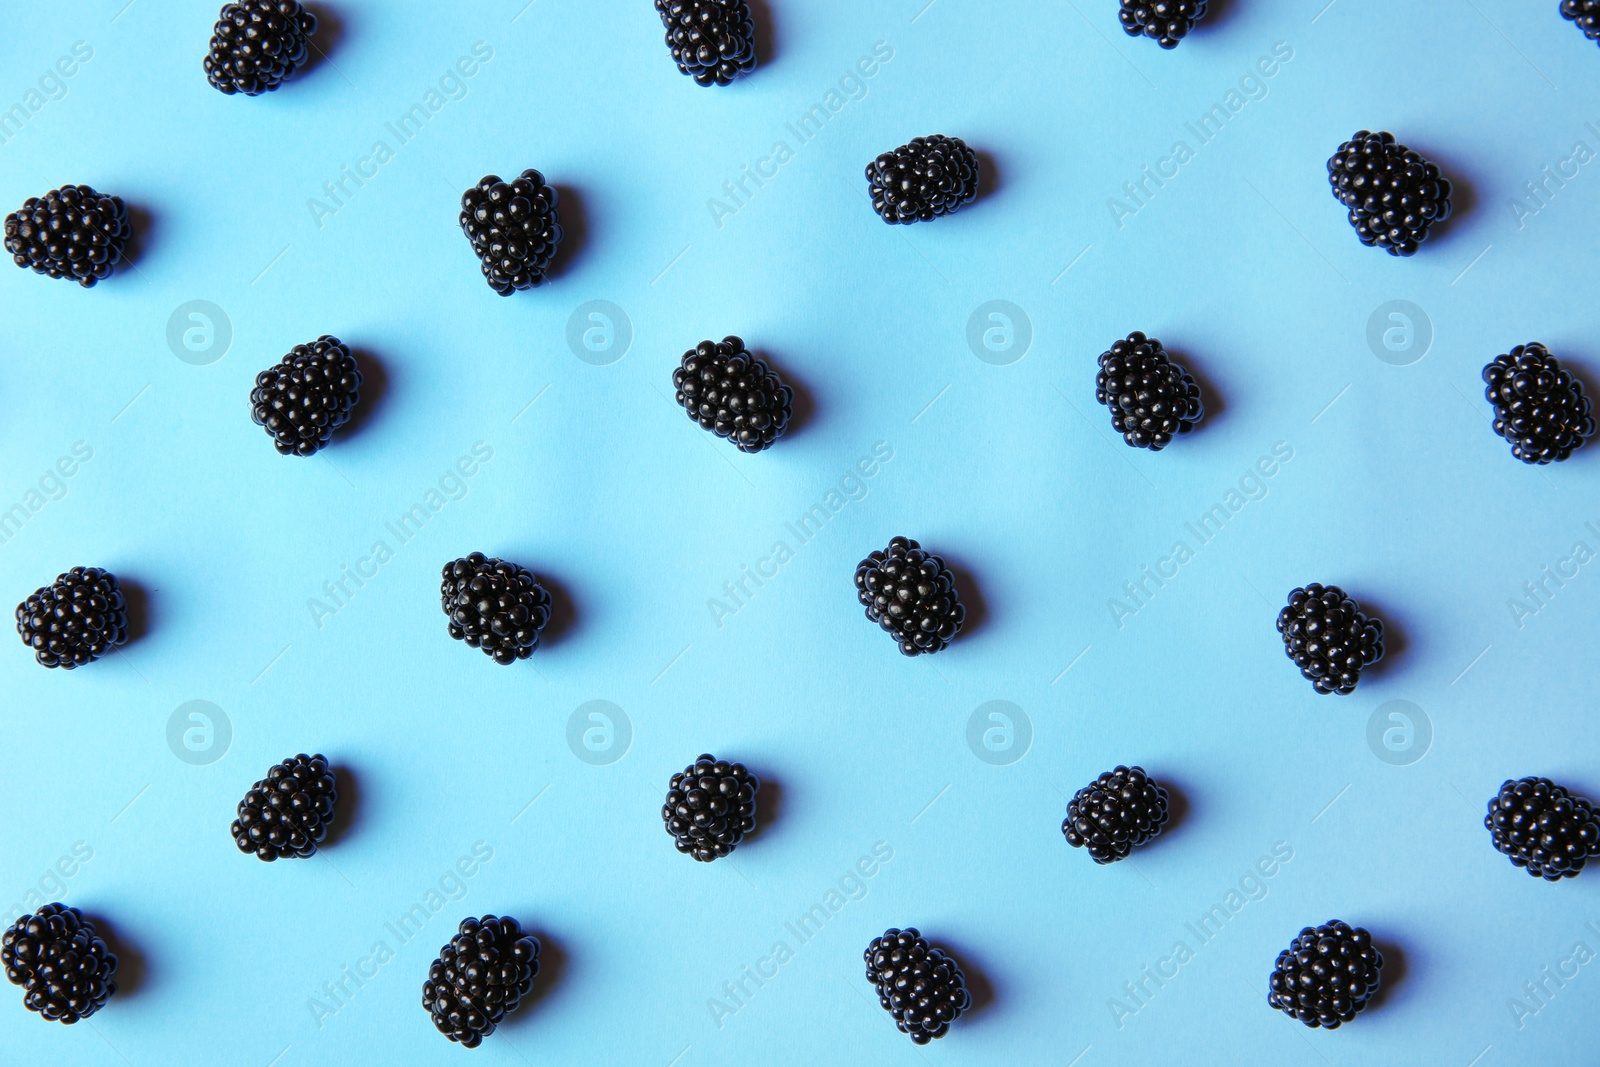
{"x":75,"y":620}
{"x":733,"y":394}
{"x":257,"y":45}
{"x":1116,"y":813}
{"x":1326,"y":975}
{"x":61,"y":962}
{"x":286,"y":814}
{"x":712,"y":41}
{"x":709,"y":807}
{"x":493,"y":605}
{"x":1543,"y":828}
{"x":307,"y":395}
{"x":480,"y":977}
{"x":929,"y":177}
{"x":1151,"y":397}
{"x":1586,"y":13}
{"x":71,"y":233}
{"x":918,"y":984}
{"x":912,"y":595}
{"x":515,"y":229}
{"x":1539,"y":406}
{"x":1164,"y":21}
{"x":1394,"y":195}
{"x":1329,"y":637}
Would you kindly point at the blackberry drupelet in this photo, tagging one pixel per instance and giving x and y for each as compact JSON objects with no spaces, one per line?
{"x":494,"y":605}
{"x":1116,"y":813}
{"x":1164,"y":21}
{"x":1329,"y":637}
{"x":912,"y":595}
{"x":1326,"y":975}
{"x":70,"y":233}
{"x":712,"y":41}
{"x":1543,"y":828}
{"x":480,"y":977}
{"x":257,"y":45}
{"x":304,"y":397}
{"x":929,"y":177}
{"x":733,"y":393}
{"x":515,"y":229}
{"x":286,"y":814}
{"x":710,"y":806}
{"x":75,"y":620}
{"x":63,"y":965}
{"x":1539,"y":406}
{"x":918,"y":984}
{"x":1586,"y":13}
{"x":1151,"y":397}
{"x":1394,"y":195}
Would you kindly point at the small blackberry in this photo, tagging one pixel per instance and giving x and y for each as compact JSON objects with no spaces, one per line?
{"x":1326,"y":975}
{"x":918,"y":984}
{"x":1586,"y":13}
{"x":286,"y":814}
{"x":1543,"y":828}
{"x":1164,"y":21}
{"x":494,"y":605}
{"x":75,"y":620}
{"x":304,"y":397}
{"x":710,"y":806}
{"x":912,"y":595}
{"x":257,"y":45}
{"x":480,"y":977}
{"x":1151,"y":398}
{"x":1329,"y":638}
{"x":1394,"y":195}
{"x":1116,"y":813}
{"x":61,"y":962}
{"x":712,"y":41}
{"x":515,"y":229}
{"x":71,"y":233}
{"x":733,"y":394}
{"x":1539,"y":406}
{"x":929,"y":177}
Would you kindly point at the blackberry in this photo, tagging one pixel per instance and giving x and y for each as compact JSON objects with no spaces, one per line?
{"x":61,"y":962}
{"x":1164,"y":21}
{"x":304,"y":397}
{"x":912,"y":595}
{"x":712,"y":41}
{"x":257,"y":45}
{"x":286,"y":814}
{"x":1326,"y":975}
{"x":1329,"y":637}
{"x":918,"y":984}
{"x":71,"y":233}
{"x":929,"y":177}
{"x":1116,"y":813}
{"x":1586,"y":13}
{"x":514,"y":227}
{"x":1539,"y":406}
{"x":1151,"y":398}
{"x":710,"y":806}
{"x":480,"y":977}
{"x":1394,"y":195}
{"x":1543,"y":828}
{"x":494,"y":605}
{"x":733,"y":394}
{"x":75,"y":620}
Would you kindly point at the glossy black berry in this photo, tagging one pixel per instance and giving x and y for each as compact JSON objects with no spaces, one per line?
{"x":494,"y":605}
{"x":286,"y":814}
{"x":1586,"y":13}
{"x":710,"y":806}
{"x":912,"y":595}
{"x":1116,"y":813}
{"x":64,"y":967}
{"x":307,"y":395}
{"x":918,"y":984}
{"x":1543,"y":828}
{"x":712,"y":41}
{"x":257,"y":45}
{"x":1326,"y":975}
{"x":1164,"y":21}
{"x":1329,"y":637}
{"x":515,"y":229}
{"x":733,"y":394}
{"x":1394,"y":195}
{"x":75,"y":620}
{"x":929,"y":177}
{"x":480,"y":977}
{"x":72,"y":233}
{"x":1151,"y":397}
{"x":1539,"y":406}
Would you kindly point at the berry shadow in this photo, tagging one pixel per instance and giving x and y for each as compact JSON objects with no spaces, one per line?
{"x":143,"y":229}
{"x":988,"y":176}
{"x":347,"y":811}
{"x":803,"y":406}
{"x":563,"y":612}
{"x":574,"y":229}
{"x":1394,"y":970}
{"x":552,"y":967}
{"x":132,"y":968}
{"x":766,"y":32}
{"x":769,"y":805}
{"x":1211,"y":398}
{"x":330,"y":31}
{"x":1395,"y":637}
{"x":374,"y":387}
{"x":1178,"y":807}
{"x":971,"y":596}
{"x":978,"y":983}
{"x":1216,"y":12}
{"x":137,"y":600}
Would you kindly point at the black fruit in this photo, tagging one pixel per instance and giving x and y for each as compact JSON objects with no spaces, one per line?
{"x":1165,"y":21}
{"x":712,"y":41}
{"x":1543,"y":827}
{"x":515,"y":229}
{"x":304,"y":397}
{"x":1151,"y":397}
{"x":257,"y":45}
{"x":1394,"y":195}
{"x":61,"y":962}
{"x":710,"y":806}
{"x":733,"y":394}
{"x":75,"y":620}
{"x":494,"y":605}
{"x":1326,"y":975}
{"x":912,"y":595}
{"x":1116,"y":813}
{"x":929,"y":177}
{"x":71,"y":233}
{"x":1586,"y":13}
{"x":1538,"y":405}
{"x":480,"y":977}
{"x":1329,"y":638}
{"x":286,"y":814}
{"x":918,"y":984}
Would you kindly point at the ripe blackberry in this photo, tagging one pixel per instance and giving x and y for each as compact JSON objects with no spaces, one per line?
{"x":72,"y":233}
{"x":1329,"y":638}
{"x":733,"y":394}
{"x":514,"y":227}
{"x":1538,"y":405}
{"x":75,"y":620}
{"x":257,"y":45}
{"x":286,"y":814}
{"x":1543,"y":827}
{"x":1165,"y":21}
{"x":1116,"y":813}
{"x":912,"y":595}
{"x":710,"y":806}
{"x":61,"y":962}
{"x":494,"y":605}
{"x":304,"y":397}
{"x":712,"y":41}
{"x":918,"y":984}
{"x":1586,"y":13}
{"x":1151,"y":398}
{"x":929,"y":177}
{"x":480,"y":977}
{"x":1326,"y":975}
{"x":1394,"y":195}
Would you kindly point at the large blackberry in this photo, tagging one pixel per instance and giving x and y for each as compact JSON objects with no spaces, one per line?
{"x":75,"y":620}
{"x":1539,"y":406}
{"x":494,"y":605}
{"x":1543,"y":827}
{"x":1151,"y":397}
{"x":286,"y":814}
{"x":709,"y":807}
{"x":918,"y":984}
{"x":733,"y":394}
{"x":514,"y":227}
{"x":912,"y":595}
{"x":712,"y":41}
{"x":304,"y":397}
{"x":1165,"y":21}
{"x":72,"y":233}
{"x":1329,"y":637}
{"x":929,"y":177}
{"x":1586,"y":13}
{"x":1394,"y":195}
{"x":61,"y":962}
{"x":1326,"y":975}
{"x":1116,"y":813}
{"x":257,"y":45}
{"x":480,"y":977}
